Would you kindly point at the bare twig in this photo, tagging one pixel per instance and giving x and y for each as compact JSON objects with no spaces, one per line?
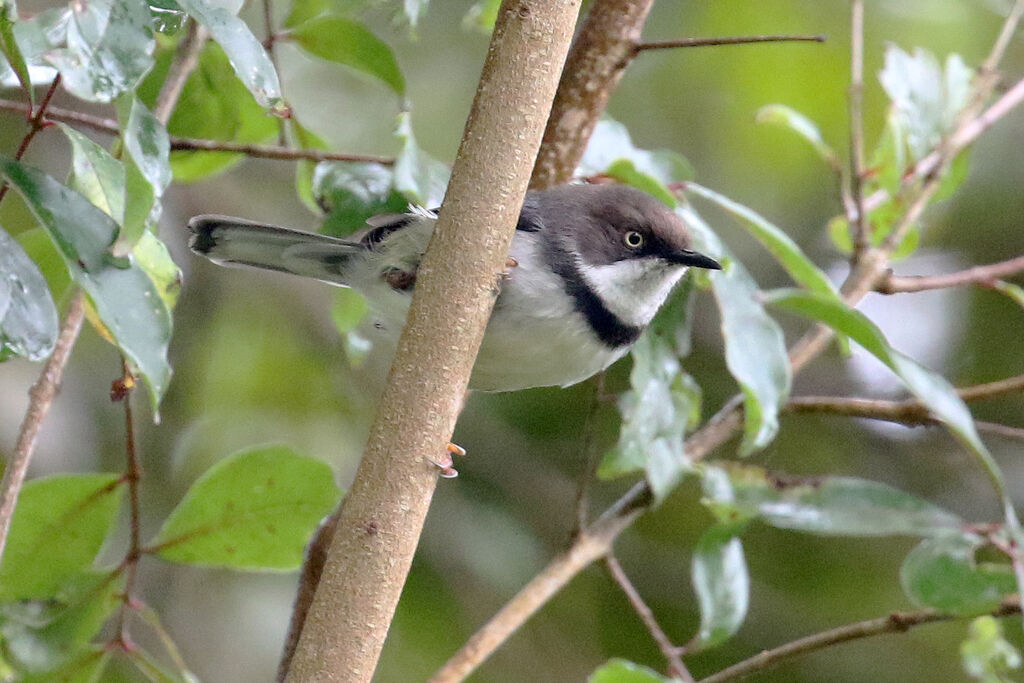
{"x":109,"y":126}
{"x":270,"y":44}
{"x":859,"y":226}
{"x":599,"y":55}
{"x":897,"y":622}
{"x":122,"y":391}
{"x":36,"y":122}
{"x":40,"y":399}
{"x":676,"y":668}
{"x":729,"y":40}
{"x":978,"y":275}
{"x":185,"y":60}
{"x":998,"y":429}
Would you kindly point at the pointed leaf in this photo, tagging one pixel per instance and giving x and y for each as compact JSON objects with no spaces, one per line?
{"x":9,"y":49}
{"x":722,"y":585}
{"x":347,"y":42}
{"x":787,"y":117}
{"x":255,"y":509}
{"x":621,"y":671}
{"x":943,"y":573}
{"x":64,"y":518}
{"x":755,"y":349}
{"x":244,"y":51}
{"x":96,"y":173}
{"x":28,"y":316}
{"x":125,"y":298}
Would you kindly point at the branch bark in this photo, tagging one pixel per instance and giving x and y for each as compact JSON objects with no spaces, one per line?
{"x":383,"y":513}
{"x":604,"y":48}
{"x":980,"y":275}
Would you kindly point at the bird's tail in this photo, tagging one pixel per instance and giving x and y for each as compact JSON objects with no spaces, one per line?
{"x":233,"y":241}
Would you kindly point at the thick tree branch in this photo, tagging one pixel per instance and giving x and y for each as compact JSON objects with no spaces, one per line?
{"x":599,"y":55}
{"x":381,"y":516}
{"x":897,"y":622}
{"x":978,"y":275}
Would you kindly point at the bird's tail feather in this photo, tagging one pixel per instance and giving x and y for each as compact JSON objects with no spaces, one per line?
{"x":233,"y":241}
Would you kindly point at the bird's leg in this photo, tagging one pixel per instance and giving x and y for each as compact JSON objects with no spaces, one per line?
{"x":446,"y":462}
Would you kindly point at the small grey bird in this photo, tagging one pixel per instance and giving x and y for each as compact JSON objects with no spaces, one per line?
{"x":590,"y":265}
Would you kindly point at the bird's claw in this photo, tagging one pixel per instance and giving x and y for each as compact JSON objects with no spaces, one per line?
{"x":445,"y":462}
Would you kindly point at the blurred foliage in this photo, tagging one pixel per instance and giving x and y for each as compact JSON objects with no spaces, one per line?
{"x":258,"y":360}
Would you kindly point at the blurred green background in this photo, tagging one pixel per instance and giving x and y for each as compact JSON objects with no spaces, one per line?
{"x":257,"y":360}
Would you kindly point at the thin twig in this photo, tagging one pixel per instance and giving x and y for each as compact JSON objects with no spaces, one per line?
{"x":179,"y":143}
{"x":122,"y":391}
{"x":859,"y":226}
{"x":730,"y":40}
{"x":36,"y":122}
{"x":983,"y":275}
{"x":676,"y":668}
{"x":897,"y":622}
{"x":270,"y":45}
{"x":40,"y":399}
{"x":186,"y":58}
{"x":997,"y":429}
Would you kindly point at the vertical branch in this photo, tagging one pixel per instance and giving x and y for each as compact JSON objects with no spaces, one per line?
{"x":602,"y":51}
{"x":186,"y":58}
{"x":860,"y":227}
{"x":122,"y":391}
{"x":382,"y":515}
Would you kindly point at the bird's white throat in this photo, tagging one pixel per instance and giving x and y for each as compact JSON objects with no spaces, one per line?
{"x":633,"y":289}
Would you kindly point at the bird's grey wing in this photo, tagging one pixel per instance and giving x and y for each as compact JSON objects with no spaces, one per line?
{"x":234,"y":241}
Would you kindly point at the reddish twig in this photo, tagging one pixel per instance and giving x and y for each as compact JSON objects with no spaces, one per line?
{"x":676,"y":668}
{"x":36,"y":122}
{"x":122,"y":391}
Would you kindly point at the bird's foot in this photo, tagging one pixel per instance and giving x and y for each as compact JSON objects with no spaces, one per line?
{"x":510,"y":263}
{"x":445,"y":462}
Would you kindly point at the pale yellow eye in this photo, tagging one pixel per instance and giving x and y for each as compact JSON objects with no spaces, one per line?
{"x":633,"y":239}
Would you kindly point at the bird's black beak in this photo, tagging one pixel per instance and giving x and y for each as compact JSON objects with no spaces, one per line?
{"x":686,"y":257}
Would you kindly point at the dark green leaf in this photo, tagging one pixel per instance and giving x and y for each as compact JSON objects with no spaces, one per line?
{"x":351,"y":192}
{"x":40,"y":248}
{"x":10,"y":49}
{"x":986,"y":654}
{"x":246,"y":54}
{"x":755,"y":349}
{"x":109,"y":48}
{"x":420,"y":177}
{"x":791,"y":119}
{"x":46,"y":637}
{"x":833,"y":506}
{"x":655,"y":414}
{"x":255,"y":509}
{"x":347,"y":42}
{"x":28,"y":317}
{"x":942,"y":573}
{"x":63,"y":518}
{"x":621,"y":671}
{"x":96,"y":173}
{"x":125,"y":298}
{"x":722,"y":585}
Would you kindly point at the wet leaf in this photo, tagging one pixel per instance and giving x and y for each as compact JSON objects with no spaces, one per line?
{"x":246,"y":54}
{"x":943,"y":573}
{"x":64,"y":518}
{"x":722,"y":584}
{"x":96,"y":173}
{"x":28,"y":316}
{"x":255,"y":509}
{"x":9,"y":48}
{"x":348,"y":42}
{"x":125,"y":298}
{"x":755,"y":349}
{"x":109,"y":48}
{"x":147,"y":170}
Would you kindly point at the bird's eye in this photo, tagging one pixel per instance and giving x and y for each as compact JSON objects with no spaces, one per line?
{"x":633,"y":239}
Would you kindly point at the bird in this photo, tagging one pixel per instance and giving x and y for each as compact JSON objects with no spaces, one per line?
{"x":589,"y":267}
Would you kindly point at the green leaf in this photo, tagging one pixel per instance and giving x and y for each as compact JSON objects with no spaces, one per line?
{"x":9,"y":48}
{"x":28,"y":316}
{"x":775,"y":240}
{"x":722,"y":585}
{"x":306,"y":169}
{"x":943,"y":573}
{"x":108,"y":49}
{"x":87,"y":668}
{"x":351,"y":192}
{"x":986,"y":654}
{"x":255,"y":509}
{"x":1014,"y":292}
{"x":215,"y":105}
{"x":347,"y":42}
{"x":611,"y":142}
{"x":482,"y":15}
{"x":96,"y":173}
{"x":420,"y":177}
{"x":655,"y":413}
{"x":147,"y":170}
{"x":155,"y":260}
{"x":348,"y":311}
{"x":625,"y":171}
{"x":125,"y":298}
{"x":791,"y":119}
{"x":832,"y":506}
{"x":246,"y":54}
{"x":47,"y":637}
{"x":621,"y":671}
{"x":63,"y":518}
{"x":755,"y":349}
{"x":927,"y":98}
